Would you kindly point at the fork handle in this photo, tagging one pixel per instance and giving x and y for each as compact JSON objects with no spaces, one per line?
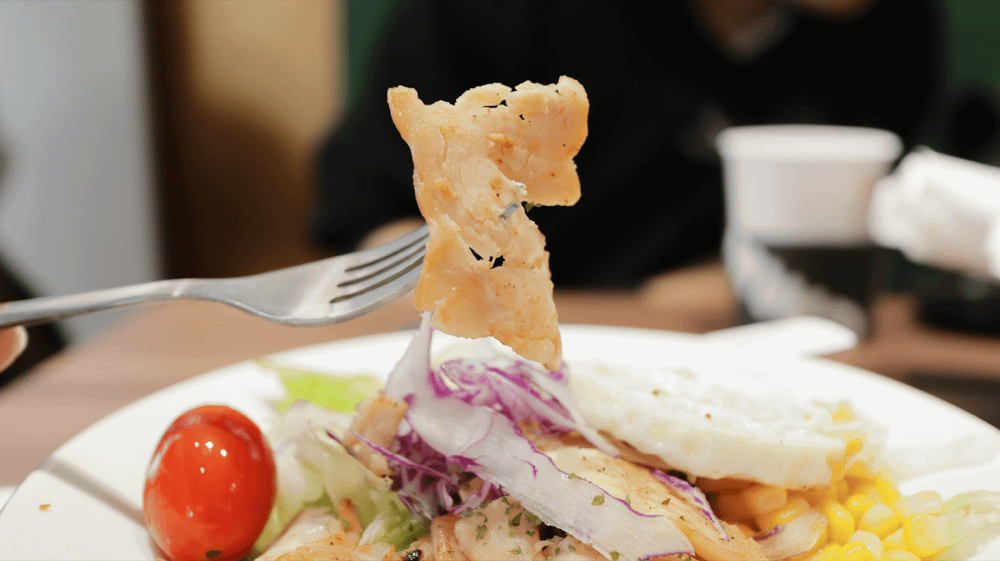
{"x":50,"y":308}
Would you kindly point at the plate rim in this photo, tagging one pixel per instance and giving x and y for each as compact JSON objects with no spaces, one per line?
{"x":241,"y":369}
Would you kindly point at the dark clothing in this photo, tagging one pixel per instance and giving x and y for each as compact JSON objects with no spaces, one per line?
{"x":658,"y":89}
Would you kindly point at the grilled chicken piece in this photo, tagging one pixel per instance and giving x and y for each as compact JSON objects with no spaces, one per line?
{"x":318,"y":533}
{"x":486,"y":271}
{"x":645,"y":493}
{"x":377,"y":420}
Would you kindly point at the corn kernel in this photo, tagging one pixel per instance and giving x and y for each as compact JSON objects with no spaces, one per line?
{"x":841,"y":522}
{"x":764,"y":498}
{"x":894,"y":540}
{"x":828,"y":553}
{"x":870,"y":540}
{"x":794,"y":508}
{"x":886,"y":489}
{"x":898,"y":555}
{"x":841,"y":466}
{"x":925,"y":535}
{"x":859,"y":503}
{"x":880,"y":520}
{"x":863,"y":486}
{"x":843,"y":489}
{"x":926,"y":502}
{"x":854,"y":551}
{"x":732,"y":507}
{"x":862,"y":471}
{"x":819,"y":495}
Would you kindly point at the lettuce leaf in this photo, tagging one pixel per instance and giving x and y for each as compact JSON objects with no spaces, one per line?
{"x":314,"y":470}
{"x":337,"y":392}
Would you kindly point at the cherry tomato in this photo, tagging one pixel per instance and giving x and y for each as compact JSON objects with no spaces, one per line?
{"x":210,"y":486}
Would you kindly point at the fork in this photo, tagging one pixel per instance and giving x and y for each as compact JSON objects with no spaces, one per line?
{"x":319,"y":293}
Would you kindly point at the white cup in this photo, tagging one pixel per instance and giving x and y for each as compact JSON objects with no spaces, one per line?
{"x":797,"y":200}
{"x":803,"y":184}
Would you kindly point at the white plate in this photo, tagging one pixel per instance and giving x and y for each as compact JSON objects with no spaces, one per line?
{"x":94,"y":482}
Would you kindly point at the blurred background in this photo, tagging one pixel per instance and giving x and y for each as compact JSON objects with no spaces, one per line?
{"x":142,"y":140}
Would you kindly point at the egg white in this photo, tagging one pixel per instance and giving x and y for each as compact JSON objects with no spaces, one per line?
{"x":708,"y":426}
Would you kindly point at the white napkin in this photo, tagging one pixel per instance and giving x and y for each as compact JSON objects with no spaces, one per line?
{"x":941,"y":211}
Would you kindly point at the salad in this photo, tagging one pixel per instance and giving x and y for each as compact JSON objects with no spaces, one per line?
{"x":510,"y":469}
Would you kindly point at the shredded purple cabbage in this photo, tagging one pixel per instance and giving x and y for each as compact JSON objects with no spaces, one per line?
{"x":510,"y":391}
{"x":518,"y":390}
{"x":463,"y":421}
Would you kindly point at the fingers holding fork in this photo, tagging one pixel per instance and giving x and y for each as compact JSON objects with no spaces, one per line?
{"x":13,"y":341}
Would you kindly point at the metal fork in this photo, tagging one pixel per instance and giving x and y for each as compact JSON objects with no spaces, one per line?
{"x":319,"y":293}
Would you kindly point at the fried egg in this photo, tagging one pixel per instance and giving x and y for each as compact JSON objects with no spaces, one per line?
{"x":709,"y":426}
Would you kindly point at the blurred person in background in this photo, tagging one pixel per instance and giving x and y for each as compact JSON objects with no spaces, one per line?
{"x":663,"y":79}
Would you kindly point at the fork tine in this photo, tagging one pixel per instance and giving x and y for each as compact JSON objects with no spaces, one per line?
{"x":372,"y":296}
{"x":362,"y":273}
{"x":405,"y":265}
{"x":374,"y":257}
